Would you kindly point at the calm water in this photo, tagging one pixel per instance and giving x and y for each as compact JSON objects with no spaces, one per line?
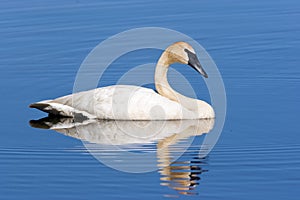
{"x":256,"y":47}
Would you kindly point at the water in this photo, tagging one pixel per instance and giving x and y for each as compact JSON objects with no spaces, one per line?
{"x":255,"y":45}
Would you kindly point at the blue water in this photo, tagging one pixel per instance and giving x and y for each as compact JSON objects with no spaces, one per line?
{"x":256,"y":46}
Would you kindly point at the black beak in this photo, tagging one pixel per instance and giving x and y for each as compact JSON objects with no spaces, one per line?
{"x":194,"y":63}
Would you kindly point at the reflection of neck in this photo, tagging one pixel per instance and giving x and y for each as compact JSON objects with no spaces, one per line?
{"x":182,"y":175}
{"x":163,"y":88}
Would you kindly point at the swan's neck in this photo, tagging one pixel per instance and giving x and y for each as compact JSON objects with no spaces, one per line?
{"x":201,"y":108}
{"x":161,"y":82}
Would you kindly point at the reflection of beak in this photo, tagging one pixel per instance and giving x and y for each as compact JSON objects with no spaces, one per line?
{"x":194,"y":63}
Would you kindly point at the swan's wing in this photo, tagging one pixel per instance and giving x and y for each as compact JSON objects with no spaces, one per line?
{"x":121,"y":102}
{"x":135,"y":103}
{"x":74,"y":105}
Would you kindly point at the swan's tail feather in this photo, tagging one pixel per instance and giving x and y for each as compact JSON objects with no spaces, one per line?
{"x":58,"y":109}
{"x":53,"y":108}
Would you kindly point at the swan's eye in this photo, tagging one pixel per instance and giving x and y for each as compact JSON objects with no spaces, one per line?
{"x":190,"y":54}
{"x":193,"y":60}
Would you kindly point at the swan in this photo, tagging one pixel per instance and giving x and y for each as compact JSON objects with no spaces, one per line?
{"x":127,"y":102}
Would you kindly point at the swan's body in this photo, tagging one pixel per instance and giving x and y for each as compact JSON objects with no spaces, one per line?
{"x":125,"y":102}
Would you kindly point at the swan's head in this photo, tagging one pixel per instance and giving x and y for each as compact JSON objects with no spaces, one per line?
{"x":182,"y":52}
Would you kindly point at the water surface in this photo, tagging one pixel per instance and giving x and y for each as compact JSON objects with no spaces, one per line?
{"x":255,"y":45}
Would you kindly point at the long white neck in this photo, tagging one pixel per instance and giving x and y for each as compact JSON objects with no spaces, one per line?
{"x":200,"y":108}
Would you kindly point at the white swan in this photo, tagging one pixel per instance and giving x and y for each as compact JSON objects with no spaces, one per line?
{"x":125,"y":102}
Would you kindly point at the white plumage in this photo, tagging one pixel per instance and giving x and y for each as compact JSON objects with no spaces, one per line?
{"x":119,"y":102}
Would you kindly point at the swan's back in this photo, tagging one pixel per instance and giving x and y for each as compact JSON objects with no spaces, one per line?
{"x":119,"y":102}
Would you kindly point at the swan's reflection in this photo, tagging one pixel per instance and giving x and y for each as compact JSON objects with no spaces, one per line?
{"x":170,"y":138}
